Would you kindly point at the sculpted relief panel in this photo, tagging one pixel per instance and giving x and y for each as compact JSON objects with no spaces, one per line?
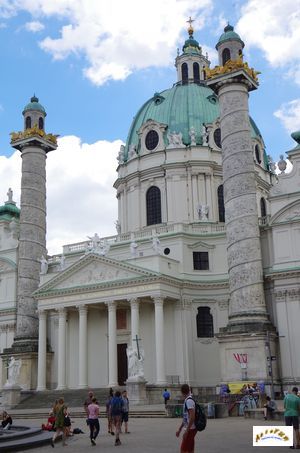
{"x":95,"y":272}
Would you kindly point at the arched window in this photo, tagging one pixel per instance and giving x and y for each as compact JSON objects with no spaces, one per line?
{"x":41,"y":123}
{"x":257,"y":154}
{"x":204,"y":74}
{"x":225,"y":56}
{"x":263,"y":207}
{"x":221,"y":206}
{"x":153,"y":205}
{"x":196,"y":72}
{"x":205,"y":323}
{"x":28,"y":122}
{"x":184,"y":73}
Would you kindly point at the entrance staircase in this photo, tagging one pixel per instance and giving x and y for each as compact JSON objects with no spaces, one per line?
{"x":38,"y":404}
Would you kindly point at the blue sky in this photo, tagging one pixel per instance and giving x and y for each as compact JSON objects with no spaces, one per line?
{"x":92,"y":64}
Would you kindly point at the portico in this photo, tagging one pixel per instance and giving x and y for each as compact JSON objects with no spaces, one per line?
{"x":90,"y":327}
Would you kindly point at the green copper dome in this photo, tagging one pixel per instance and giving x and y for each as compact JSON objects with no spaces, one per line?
{"x":229,"y":35}
{"x":34,"y":105}
{"x":9,"y":211}
{"x":180,"y":108}
{"x":191,"y":45}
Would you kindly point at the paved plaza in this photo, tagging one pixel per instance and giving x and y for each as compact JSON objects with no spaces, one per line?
{"x":158,"y":435}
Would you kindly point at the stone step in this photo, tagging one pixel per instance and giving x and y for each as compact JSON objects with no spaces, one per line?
{"x":74,"y":398}
{"x":43,"y":414}
{"x":22,"y":438}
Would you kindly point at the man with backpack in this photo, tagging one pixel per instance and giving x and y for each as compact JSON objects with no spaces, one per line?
{"x":193,"y":420}
{"x":116,"y":409}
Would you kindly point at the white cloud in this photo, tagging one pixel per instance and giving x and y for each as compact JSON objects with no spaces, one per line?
{"x":80,"y":195}
{"x":115,"y":37}
{"x":289,"y":115}
{"x":274,"y":27}
{"x":34,"y":26}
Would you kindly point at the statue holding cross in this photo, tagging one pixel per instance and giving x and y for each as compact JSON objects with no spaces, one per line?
{"x":135,"y":361}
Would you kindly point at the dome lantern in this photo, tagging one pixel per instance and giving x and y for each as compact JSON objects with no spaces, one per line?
{"x":34,"y":114}
{"x":230,"y":46}
{"x":191,"y":64}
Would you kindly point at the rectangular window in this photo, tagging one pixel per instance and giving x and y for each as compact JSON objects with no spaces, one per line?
{"x":201,"y":261}
{"x":121,"y":318}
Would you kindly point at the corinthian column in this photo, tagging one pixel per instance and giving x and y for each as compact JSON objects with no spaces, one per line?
{"x":159,"y":340}
{"x":83,"y":374}
{"x":112,"y":345}
{"x":61,"y":361}
{"x":42,"y":351}
{"x":135,"y":320}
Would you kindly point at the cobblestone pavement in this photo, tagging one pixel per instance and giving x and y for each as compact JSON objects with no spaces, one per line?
{"x":232,"y":435}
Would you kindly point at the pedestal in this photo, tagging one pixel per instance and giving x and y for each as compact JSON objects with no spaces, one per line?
{"x":136,"y":390}
{"x":11,"y":396}
{"x":28,"y":372}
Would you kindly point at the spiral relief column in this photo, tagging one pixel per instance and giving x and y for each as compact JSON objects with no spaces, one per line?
{"x":34,"y":144}
{"x":248,"y":318}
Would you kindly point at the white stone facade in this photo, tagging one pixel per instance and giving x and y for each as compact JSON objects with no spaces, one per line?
{"x":146,"y":288}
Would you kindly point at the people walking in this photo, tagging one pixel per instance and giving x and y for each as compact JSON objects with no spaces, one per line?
{"x":88,"y":401}
{"x":125,"y":411}
{"x":166,"y":396}
{"x":116,"y":408}
{"x":110,"y":428}
{"x":60,"y":413}
{"x":291,"y":412}
{"x":93,"y":411}
{"x":190,"y":431}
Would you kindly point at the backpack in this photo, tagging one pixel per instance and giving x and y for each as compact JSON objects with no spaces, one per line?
{"x":200,"y":417}
{"x":116,"y":405}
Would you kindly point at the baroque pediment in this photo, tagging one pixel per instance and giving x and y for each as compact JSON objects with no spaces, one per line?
{"x":94,"y":270}
{"x":287,"y":214}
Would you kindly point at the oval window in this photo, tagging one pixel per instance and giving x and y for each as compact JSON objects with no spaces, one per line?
{"x":151,"y":140}
{"x":217,"y":137}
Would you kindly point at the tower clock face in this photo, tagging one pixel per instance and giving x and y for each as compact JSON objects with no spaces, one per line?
{"x":151,"y":140}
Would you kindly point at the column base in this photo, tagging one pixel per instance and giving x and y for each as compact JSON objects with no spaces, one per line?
{"x":113,"y":384}
{"x":244,"y":356}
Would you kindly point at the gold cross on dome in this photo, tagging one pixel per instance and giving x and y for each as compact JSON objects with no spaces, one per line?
{"x":190,"y":21}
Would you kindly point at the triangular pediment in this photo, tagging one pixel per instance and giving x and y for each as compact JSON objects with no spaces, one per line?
{"x":201,"y":244}
{"x":94,"y":270}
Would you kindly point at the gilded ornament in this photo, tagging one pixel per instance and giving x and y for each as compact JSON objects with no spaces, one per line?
{"x":230,"y":66}
{"x":31,"y":132}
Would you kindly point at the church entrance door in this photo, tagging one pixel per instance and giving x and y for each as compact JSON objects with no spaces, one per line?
{"x":122,"y":364}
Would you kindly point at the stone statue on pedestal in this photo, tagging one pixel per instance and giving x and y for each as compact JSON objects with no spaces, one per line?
{"x":156,"y":244}
{"x":14,"y":367}
{"x":203,"y":212}
{"x":95,"y":240}
{"x":44,"y":265}
{"x":118,"y":227}
{"x":135,"y":363}
{"x":192,"y":134}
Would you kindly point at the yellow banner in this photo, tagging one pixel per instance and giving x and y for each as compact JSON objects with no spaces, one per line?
{"x":236,"y":387}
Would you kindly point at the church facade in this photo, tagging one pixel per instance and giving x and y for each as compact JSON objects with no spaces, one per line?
{"x":203,"y":273}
